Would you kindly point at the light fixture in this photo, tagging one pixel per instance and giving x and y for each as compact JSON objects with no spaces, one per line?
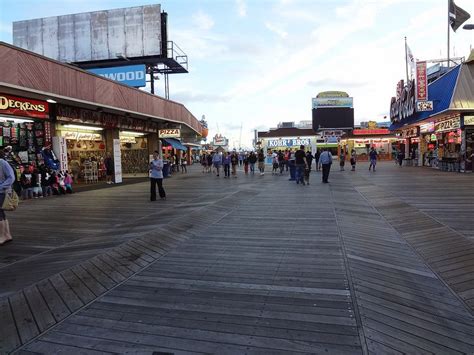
{"x":134,"y":134}
{"x":51,"y":101}
{"x":14,"y":120}
{"x":89,"y":128}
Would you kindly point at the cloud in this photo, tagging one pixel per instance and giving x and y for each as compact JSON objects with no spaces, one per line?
{"x":280,"y":32}
{"x":188,"y":96}
{"x":241,"y":8}
{"x":336,"y":83}
{"x":203,"y":21}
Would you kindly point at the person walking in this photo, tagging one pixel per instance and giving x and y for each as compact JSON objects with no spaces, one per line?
{"x":156,"y":177}
{"x":342,"y":160}
{"x":309,"y":159}
{"x":326,"y":161}
{"x":400,"y":157}
{"x":281,"y":161}
{"x":373,"y":158}
{"x":209,"y":163}
{"x":109,"y":168}
{"x":226,"y":164}
{"x":353,"y":159}
{"x":300,"y":164}
{"x":316,"y":158}
{"x":261,"y":162}
{"x":252,"y":161}
{"x":7,"y":178}
{"x":246,"y":164}
{"x":184,"y":163}
{"x":234,"y":160}
{"x":217,"y":162}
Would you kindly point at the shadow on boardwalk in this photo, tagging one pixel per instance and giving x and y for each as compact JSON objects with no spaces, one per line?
{"x":366,"y":264}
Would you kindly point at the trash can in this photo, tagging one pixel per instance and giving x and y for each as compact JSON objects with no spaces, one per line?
{"x":166,"y":168}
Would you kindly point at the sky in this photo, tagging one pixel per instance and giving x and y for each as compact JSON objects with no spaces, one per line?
{"x":255,"y":63}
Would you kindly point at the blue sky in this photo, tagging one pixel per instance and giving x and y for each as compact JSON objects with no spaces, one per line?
{"x":256,"y":63}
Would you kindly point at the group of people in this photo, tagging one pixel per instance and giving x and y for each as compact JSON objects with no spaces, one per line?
{"x":42,"y":182}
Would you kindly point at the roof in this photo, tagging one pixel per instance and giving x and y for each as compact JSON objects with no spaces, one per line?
{"x":463,"y":97}
{"x":287,"y":132}
{"x":440,"y":92}
{"x":27,"y":71}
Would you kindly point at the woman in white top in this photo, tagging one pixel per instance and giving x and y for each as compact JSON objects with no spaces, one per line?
{"x":156,"y":177}
{"x":7,"y":178}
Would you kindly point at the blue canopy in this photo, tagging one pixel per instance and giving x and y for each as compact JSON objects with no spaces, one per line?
{"x":176,"y":144}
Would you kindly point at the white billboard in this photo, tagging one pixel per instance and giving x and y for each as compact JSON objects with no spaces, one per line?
{"x":93,"y":36}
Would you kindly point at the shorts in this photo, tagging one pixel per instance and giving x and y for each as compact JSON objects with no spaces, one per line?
{"x":37,"y":190}
{"x":373,"y":161}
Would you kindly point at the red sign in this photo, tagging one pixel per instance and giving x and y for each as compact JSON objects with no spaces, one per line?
{"x":421,"y":82}
{"x":19,"y":106}
{"x":368,"y":132}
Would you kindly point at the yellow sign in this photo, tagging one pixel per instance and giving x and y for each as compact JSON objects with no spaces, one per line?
{"x":332,"y":94}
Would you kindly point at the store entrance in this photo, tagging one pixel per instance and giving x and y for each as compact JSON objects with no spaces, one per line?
{"x":135,"y":155}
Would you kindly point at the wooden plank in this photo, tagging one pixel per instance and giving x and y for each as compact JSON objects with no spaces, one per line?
{"x":72,"y":301}
{"x":79,"y":288}
{"x":88,"y":280}
{"x":55,"y":303}
{"x":39,"y":308}
{"x":9,"y":337}
{"x":24,"y":320}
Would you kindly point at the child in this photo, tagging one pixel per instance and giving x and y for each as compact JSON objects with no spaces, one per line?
{"x":68,"y":182}
{"x":307,"y":171}
{"x":46,"y":182}
{"x":353,"y":159}
{"x":26,"y":185}
{"x":62,"y":184}
{"x":275,"y":164}
{"x":342,"y":160}
{"x":36,"y":184}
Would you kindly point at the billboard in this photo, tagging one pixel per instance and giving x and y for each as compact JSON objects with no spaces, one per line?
{"x":93,"y":36}
{"x":340,"y":117}
{"x":131,"y":75}
{"x":327,"y":102}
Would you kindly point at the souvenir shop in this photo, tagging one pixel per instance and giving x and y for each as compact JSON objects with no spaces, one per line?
{"x":25,"y":132}
{"x":361,"y":140}
{"x":89,"y":135}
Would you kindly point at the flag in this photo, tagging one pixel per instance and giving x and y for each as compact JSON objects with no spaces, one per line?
{"x":411,"y":61}
{"x":457,"y":16}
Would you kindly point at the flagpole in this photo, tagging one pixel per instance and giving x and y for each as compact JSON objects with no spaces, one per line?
{"x":406,"y":58}
{"x":448,"y":32}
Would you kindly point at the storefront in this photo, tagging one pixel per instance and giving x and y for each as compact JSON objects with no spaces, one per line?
{"x":91,"y":135}
{"x":26,"y":131}
{"x":361,"y":140}
{"x":444,"y":123}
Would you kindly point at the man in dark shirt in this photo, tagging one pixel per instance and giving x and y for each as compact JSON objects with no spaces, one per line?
{"x":301,"y":163}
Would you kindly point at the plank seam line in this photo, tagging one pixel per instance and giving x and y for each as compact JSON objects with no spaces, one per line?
{"x":427,"y":264}
{"x":14,"y":320}
{"x":31,"y":311}
{"x":357,"y":313}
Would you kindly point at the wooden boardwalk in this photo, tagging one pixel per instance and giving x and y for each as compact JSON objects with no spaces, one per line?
{"x":248,"y":265}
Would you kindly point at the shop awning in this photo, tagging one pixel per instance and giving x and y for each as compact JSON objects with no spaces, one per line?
{"x":176,"y":144}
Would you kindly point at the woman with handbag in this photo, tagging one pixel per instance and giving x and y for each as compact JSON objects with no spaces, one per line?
{"x":7,"y":178}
